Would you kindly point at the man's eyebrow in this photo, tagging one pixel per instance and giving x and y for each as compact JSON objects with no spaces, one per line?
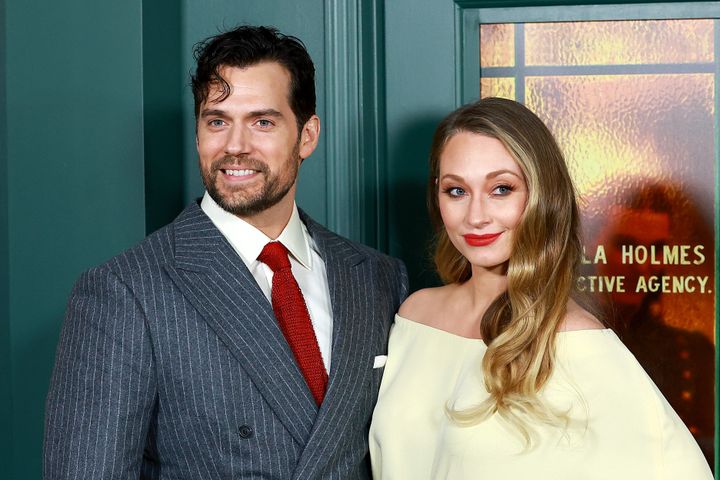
{"x":267,"y":112}
{"x":212,"y":113}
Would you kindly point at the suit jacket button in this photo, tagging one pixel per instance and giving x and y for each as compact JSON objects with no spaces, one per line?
{"x":245,"y":431}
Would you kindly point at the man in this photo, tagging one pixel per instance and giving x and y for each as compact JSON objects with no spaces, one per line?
{"x":243,"y":340}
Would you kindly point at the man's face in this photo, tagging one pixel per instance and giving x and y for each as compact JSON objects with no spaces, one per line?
{"x":248,"y":144}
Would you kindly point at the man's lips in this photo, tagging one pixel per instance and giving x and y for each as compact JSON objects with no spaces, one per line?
{"x":481,"y":240}
{"x":238,"y":173}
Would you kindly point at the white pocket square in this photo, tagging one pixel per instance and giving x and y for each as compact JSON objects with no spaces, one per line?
{"x":379,"y":361}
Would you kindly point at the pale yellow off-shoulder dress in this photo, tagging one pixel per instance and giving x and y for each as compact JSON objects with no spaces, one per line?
{"x":623,"y":427}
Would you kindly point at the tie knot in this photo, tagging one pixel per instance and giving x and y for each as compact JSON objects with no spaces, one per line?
{"x":275,"y":256}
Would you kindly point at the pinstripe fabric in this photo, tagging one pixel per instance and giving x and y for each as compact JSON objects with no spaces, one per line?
{"x":168,"y":349}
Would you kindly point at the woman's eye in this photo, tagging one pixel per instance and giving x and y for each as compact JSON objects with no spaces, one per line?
{"x":502,"y":190}
{"x":455,"y":192}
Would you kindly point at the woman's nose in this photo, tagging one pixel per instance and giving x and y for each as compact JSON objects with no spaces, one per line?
{"x":477,"y":214}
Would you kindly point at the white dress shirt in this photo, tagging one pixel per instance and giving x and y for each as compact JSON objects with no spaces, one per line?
{"x":307,"y":265}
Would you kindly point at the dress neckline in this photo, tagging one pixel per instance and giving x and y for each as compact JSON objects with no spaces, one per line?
{"x":437,"y":331}
{"x":562,"y":334}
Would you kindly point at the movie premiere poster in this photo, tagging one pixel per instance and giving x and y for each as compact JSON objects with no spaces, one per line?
{"x":632,"y":105}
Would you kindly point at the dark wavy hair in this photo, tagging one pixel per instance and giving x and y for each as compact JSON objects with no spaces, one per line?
{"x":246,"y":46}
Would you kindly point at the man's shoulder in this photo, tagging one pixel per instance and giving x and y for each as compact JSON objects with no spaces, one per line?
{"x":156,"y":249}
{"x":320,"y":233}
{"x":371,"y":252}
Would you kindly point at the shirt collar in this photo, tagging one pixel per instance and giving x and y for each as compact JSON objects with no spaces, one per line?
{"x":248,"y":241}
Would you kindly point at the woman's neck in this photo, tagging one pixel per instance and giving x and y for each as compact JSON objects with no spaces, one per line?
{"x":484,"y":286}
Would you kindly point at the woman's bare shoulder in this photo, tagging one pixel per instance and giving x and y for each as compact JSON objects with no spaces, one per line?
{"x":577,"y":318}
{"x":424,"y":305}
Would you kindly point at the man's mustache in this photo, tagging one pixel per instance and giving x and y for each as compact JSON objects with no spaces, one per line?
{"x":239,"y":161}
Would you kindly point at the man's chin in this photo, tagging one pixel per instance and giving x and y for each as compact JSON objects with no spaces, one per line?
{"x":246,"y":207}
{"x":242,"y":209}
{"x":247,"y":203}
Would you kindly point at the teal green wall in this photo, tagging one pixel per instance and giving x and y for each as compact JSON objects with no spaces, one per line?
{"x":5,"y":365}
{"x":73,"y":181}
{"x":164,"y":82}
{"x":420,"y":86}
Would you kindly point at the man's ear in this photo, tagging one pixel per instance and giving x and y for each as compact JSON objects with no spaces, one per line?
{"x":309,"y":137}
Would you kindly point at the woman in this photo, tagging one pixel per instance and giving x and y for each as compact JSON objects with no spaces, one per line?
{"x":500,"y":374}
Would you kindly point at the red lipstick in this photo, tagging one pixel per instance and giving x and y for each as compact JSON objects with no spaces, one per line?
{"x":481,"y":240}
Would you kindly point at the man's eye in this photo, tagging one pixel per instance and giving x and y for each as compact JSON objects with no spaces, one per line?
{"x":264,"y":123}
{"x":216,"y":123}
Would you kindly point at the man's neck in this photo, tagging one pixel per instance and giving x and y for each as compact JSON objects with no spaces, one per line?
{"x":273,"y":220}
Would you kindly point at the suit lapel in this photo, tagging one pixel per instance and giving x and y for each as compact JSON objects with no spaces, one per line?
{"x":349,"y":373}
{"x":217,"y":283}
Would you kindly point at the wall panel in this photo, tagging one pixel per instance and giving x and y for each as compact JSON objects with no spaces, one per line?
{"x":5,"y":365}
{"x":74,"y":179}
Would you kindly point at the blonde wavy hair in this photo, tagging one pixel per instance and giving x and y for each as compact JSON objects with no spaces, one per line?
{"x":520,"y":325}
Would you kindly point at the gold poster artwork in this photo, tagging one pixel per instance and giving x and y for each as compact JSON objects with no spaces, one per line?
{"x":632,"y":106}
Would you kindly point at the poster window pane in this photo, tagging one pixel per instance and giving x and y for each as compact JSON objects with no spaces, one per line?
{"x":498,"y":45}
{"x":619,"y":43}
{"x":499,"y":87}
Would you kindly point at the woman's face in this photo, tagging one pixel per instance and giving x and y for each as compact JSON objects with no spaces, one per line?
{"x":482,"y":196}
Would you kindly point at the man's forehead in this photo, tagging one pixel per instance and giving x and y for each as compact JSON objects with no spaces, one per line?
{"x":267,"y":79}
{"x":268,"y":70}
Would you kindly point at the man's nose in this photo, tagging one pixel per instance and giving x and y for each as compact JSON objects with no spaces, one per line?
{"x":238,"y":141}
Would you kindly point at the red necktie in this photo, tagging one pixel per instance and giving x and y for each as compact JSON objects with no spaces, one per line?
{"x":294,"y":320}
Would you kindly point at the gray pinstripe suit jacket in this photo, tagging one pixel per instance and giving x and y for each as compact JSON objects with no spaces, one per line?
{"x":171,"y":365}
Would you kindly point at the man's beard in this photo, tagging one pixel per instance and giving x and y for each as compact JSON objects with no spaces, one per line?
{"x":273,"y":190}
